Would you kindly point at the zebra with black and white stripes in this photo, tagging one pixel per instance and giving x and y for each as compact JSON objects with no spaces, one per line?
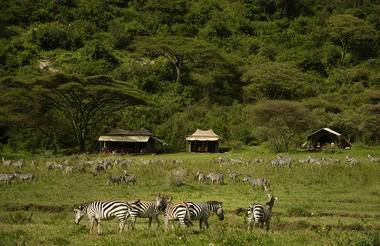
{"x":107,"y":210}
{"x":260,"y":213}
{"x":145,"y":209}
{"x":201,"y":211}
{"x":173,"y":212}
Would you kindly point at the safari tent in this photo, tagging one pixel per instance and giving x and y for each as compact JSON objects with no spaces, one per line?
{"x":326,"y":137}
{"x":137,"y":141}
{"x":203,"y":141}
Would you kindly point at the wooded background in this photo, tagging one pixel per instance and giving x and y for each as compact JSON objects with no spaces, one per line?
{"x":252,"y":70}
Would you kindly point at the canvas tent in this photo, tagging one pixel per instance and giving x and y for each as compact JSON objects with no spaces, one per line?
{"x":120,"y":140}
{"x":326,"y":137}
{"x":203,"y":141}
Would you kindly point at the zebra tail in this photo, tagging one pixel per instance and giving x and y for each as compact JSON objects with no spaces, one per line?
{"x":188,"y":213}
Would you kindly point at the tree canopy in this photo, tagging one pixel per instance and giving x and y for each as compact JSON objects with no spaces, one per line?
{"x":74,"y":68}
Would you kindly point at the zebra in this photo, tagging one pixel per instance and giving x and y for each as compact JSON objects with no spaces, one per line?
{"x":24,"y":176}
{"x":99,"y":210}
{"x":263,"y":182}
{"x":351,"y":161}
{"x":218,"y":177}
{"x":146,"y":209}
{"x":129,"y":178}
{"x":258,"y":160}
{"x":114,"y":179}
{"x":173,"y":212}
{"x":232,"y":175}
{"x":200,"y":176}
{"x":69,"y":169}
{"x":6,"y":162}
{"x":7,"y":177}
{"x":260,"y":213}
{"x":98,"y":167}
{"x":374,"y":159}
{"x":19,"y":163}
{"x":201,"y":211}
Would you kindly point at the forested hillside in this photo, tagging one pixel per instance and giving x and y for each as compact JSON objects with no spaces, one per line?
{"x":252,"y":70}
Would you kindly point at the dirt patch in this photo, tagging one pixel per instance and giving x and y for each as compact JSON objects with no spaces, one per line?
{"x":40,"y":208}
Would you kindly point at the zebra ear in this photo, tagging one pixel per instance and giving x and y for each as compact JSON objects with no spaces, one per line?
{"x":170,"y":199}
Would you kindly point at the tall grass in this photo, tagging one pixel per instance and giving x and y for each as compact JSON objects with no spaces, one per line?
{"x":318,"y":205}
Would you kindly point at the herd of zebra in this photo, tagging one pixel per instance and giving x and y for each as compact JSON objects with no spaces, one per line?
{"x":184,"y":212}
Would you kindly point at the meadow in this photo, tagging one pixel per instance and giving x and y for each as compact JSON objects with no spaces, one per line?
{"x":317,"y":205}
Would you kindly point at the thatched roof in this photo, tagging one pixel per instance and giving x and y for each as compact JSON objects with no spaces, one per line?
{"x":200,"y":135}
{"x":121,"y":135}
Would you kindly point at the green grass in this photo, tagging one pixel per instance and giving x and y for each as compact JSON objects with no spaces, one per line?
{"x":328,"y":205}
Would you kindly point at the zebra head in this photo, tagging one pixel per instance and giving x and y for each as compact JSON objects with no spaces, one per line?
{"x":246,"y":177}
{"x":217,"y":208}
{"x":162,"y":202}
{"x":271,"y":200}
{"x":79,"y":213}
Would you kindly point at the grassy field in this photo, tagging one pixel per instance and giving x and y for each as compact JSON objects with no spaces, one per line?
{"x":317,"y":205}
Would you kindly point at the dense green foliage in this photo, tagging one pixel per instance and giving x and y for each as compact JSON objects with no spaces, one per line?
{"x":202,"y":64}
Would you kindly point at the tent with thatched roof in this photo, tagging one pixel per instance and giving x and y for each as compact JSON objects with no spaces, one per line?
{"x":120,"y":140}
{"x":203,"y":141}
{"x":326,"y":137}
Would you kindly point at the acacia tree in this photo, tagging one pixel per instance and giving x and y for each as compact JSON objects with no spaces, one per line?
{"x":82,"y":101}
{"x":349,"y":31}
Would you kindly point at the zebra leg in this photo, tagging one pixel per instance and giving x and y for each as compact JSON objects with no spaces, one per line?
{"x":99,"y":229}
{"x":255,"y":224}
{"x":150,"y":222}
{"x":200,"y":224}
{"x":157,"y":220}
{"x":205,"y":220}
{"x":166,"y":221}
{"x":121,"y":225}
{"x":267,"y":224}
{"x":91,"y":224}
{"x":133,"y":221}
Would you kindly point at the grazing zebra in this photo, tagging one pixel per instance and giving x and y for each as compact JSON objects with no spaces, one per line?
{"x":69,"y":169}
{"x":200,"y":176}
{"x":114,"y":179}
{"x":24,"y":176}
{"x":351,"y":161}
{"x":173,"y":212}
{"x":218,"y":177}
{"x":6,"y":162}
{"x":258,"y":160}
{"x":261,"y":182}
{"x":201,"y":211}
{"x":7,"y":177}
{"x":146,"y":209}
{"x":19,"y":163}
{"x":129,"y":178}
{"x":232,"y":175}
{"x":260,"y":213}
{"x":108,"y":210}
{"x":374,"y":159}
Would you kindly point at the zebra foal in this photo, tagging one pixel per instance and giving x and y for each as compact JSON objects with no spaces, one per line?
{"x":173,"y":212}
{"x":201,"y":211}
{"x":146,"y":209}
{"x":260,"y":213}
{"x":98,"y":210}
